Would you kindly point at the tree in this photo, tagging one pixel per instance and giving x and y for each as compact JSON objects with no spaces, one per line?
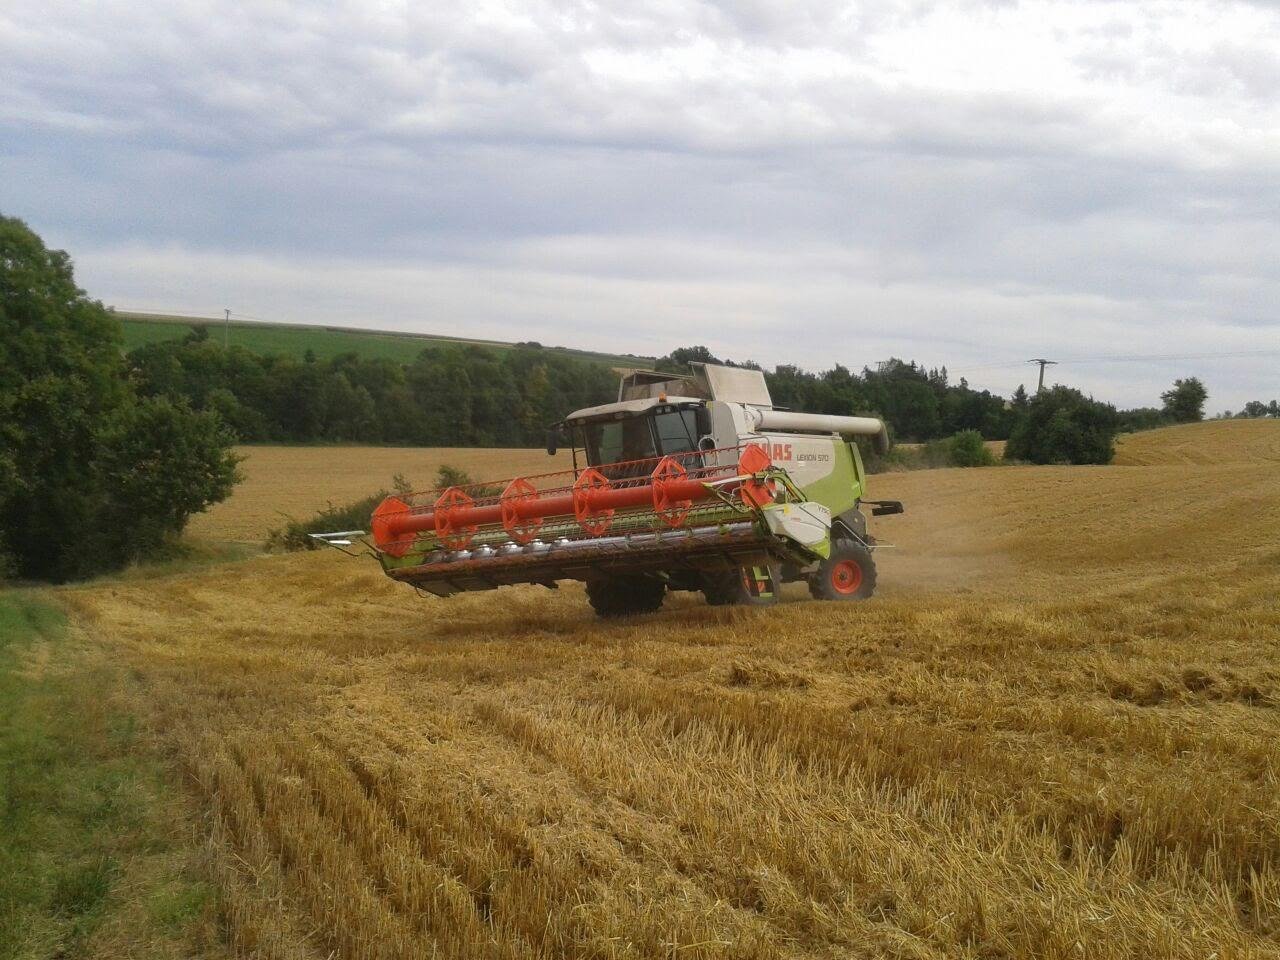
{"x":969,"y":450}
{"x":1062,"y":425}
{"x":1254,"y":408}
{"x":908,"y":396}
{"x":79,"y":456}
{"x":1143,"y":418}
{"x":1184,"y":402}
{"x":157,"y":463}
{"x":678,"y":360}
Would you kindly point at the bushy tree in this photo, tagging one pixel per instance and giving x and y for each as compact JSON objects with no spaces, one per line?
{"x":1184,"y":401}
{"x":678,"y":360}
{"x":968,"y":449}
{"x":920,"y":404}
{"x":80,"y":459}
{"x":908,"y":395}
{"x":1256,"y":408}
{"x":157,"y":463}
{"x":1062,"y":425}
{"x":1143,"y":418}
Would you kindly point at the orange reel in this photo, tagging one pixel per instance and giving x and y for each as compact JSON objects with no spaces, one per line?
{"x":594,"y":521}
{"x":521,"y":529}
{"x":452,"y":534}
{"x":670,"y":511}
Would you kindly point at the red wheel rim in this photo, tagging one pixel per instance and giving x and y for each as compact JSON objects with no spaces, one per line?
{"x":846,"y":577}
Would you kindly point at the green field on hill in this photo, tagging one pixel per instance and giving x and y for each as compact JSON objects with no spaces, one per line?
{"x":324,"y":342}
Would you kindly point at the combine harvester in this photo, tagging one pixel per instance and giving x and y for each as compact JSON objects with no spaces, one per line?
{"x":689,"y":483}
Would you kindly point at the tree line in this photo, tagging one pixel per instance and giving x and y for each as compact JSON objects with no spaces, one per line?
{"x":469,"y":395}
{"x":1254,"y":410}
{"x":466,"y":395}
{"x":448,"y":396}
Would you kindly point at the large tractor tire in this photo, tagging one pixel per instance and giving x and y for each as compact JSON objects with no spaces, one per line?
{"x":848,"y":574}
{"x":621,"y":596}
{"x":754,"y":586}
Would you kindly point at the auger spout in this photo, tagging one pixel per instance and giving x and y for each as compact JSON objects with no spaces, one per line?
{"x":823,"y":423}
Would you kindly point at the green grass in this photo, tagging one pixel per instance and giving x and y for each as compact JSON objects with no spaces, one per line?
{"x":93,"y":861}
{"x":325,"y":342}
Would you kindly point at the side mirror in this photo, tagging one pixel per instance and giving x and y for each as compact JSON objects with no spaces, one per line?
{"x":553,"y":440}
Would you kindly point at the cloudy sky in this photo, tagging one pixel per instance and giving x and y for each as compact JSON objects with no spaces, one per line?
{"x":967,"y":183}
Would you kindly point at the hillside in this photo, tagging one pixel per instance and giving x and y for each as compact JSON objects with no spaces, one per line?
{"x":1214,"y":441}
{"x":325,"y":342}
{"x":1054,"y":733}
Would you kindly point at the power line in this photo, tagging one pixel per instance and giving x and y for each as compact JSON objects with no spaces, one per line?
{"x":1160,"y":357}
{"x":1119,"y":358}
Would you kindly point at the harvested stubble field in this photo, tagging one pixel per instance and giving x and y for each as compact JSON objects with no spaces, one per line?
{"x":1055,"y":733}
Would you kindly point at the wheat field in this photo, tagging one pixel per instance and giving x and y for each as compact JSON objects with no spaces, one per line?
{"x":1055,"y":732}
{"x":1227,"y":441}
{"x":295,"y":482}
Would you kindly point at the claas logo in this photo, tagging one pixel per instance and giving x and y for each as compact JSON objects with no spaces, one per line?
{"x":776,"y":451}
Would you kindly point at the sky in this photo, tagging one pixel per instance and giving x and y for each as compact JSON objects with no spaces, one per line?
{"x":964,"y":184}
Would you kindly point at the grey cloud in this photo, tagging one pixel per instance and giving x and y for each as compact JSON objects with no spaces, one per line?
{"x":726,"y":169}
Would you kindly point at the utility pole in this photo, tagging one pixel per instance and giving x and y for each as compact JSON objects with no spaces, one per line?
{"x":1043,"y":363}
{"x":226,"y":330}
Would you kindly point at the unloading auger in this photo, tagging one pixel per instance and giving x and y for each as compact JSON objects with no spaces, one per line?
{"x":689,"y":483}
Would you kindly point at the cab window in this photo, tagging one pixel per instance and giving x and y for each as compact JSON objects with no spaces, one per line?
{"x":676,"y":430}
{"x":615,"y":440}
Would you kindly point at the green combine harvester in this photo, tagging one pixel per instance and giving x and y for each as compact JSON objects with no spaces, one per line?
{"x":685,"y":483}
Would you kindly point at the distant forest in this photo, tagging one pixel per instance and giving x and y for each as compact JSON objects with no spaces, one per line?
{"x":476,"y":396}
{"x":446,"y":397}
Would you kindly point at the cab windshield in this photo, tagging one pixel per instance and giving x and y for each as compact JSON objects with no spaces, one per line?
{"x":656,"y":433}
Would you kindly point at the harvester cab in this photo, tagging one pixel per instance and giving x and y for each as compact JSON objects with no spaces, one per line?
{"x":684,"y":483}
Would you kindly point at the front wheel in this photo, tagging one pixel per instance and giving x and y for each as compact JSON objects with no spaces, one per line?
{"x":848,"y":574}
{"x":621,"y":596}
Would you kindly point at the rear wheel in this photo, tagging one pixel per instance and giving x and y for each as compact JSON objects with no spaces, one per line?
{"x":621,"y":596}
{"x":757,"y":586}
{"x":848,"y":574}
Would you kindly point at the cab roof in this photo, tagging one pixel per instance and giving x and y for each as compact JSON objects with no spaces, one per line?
{"x":629,"y":408}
